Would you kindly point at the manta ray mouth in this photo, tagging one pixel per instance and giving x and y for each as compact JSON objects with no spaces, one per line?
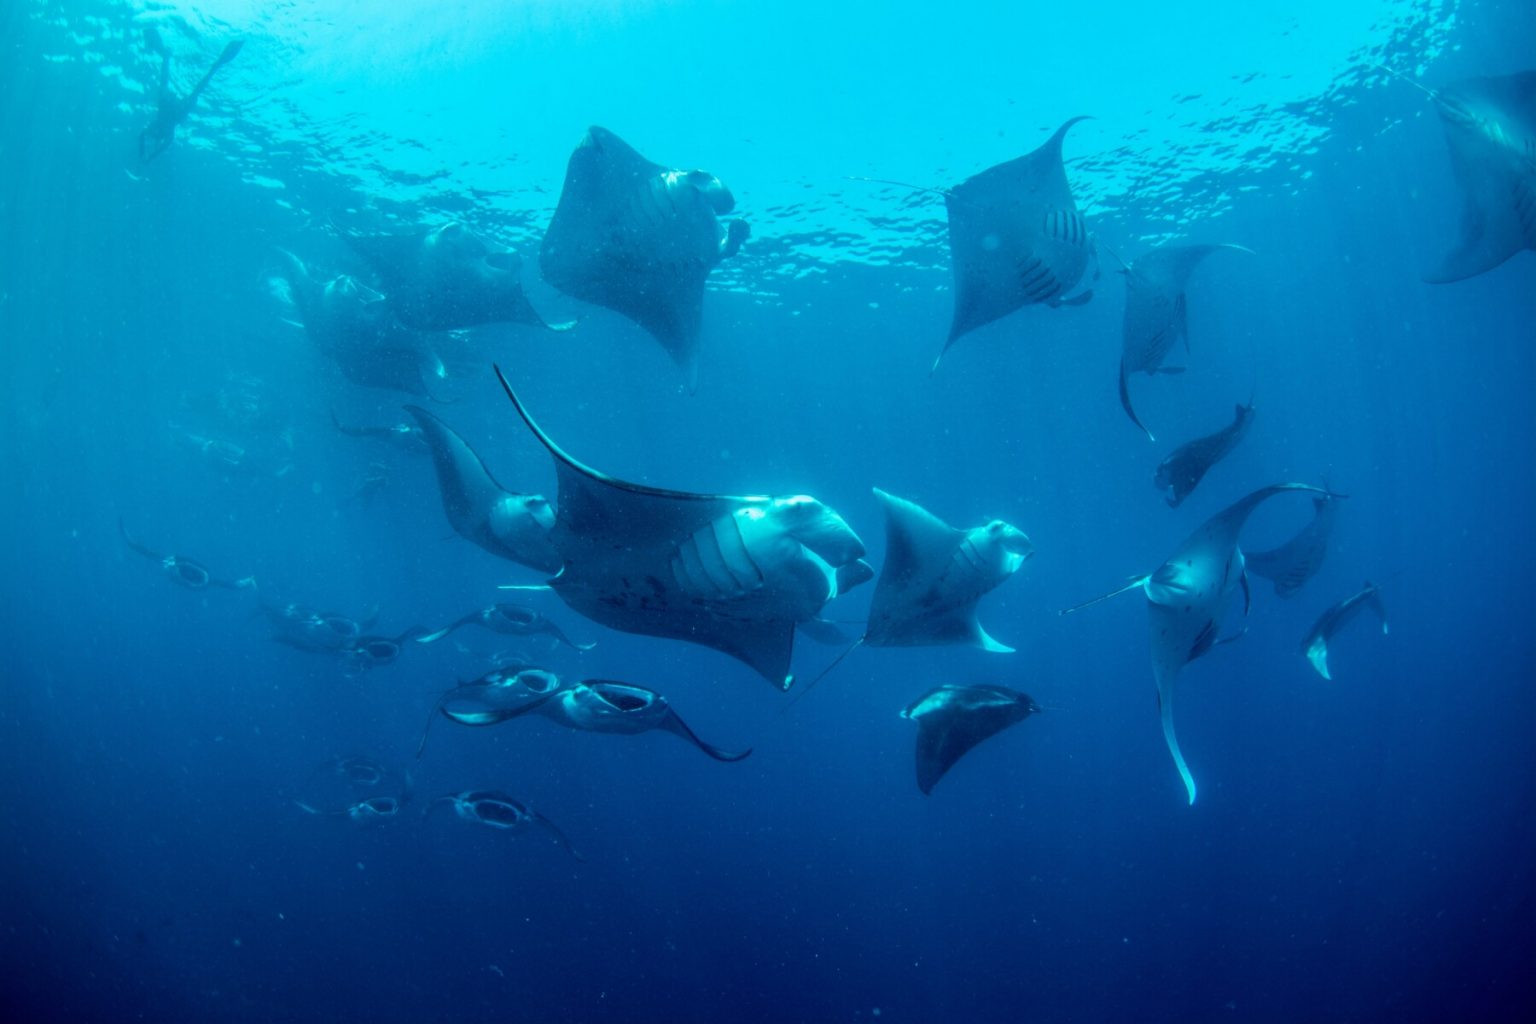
{"x":623,"y":698}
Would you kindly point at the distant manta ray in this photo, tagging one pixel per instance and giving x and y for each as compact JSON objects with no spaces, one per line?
{"x":1187,"y":599}
{"x":640,"y":239}
{"x":1296,"y":561}
{"x":448,"y":277}
{"x":952,"y":720}
{"x":1490,"y":130}
{"x":1155,"y":315}
{"x":1315,"y":646}
{"x":1016,"y":237}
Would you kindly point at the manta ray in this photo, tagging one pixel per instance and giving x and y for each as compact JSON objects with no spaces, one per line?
{"x":1155,"y":314}
{"x":508,"y":525}
{"x":1180,"y":473}
{"x":1187,"y":599}
{"x":1490,"y":130}
{"x":934,"y":575}
{"x":1016,"y":238}
{"x":448,"y":277}
{"x":640,"y":239}
{"x":502,"y":694}
{"x":1296,"y":561}
{"x":1315,"y":646}
{"x":951,"y":720}
{"x":494,"y":809}
{"x":351,"y":324}
{"x":170,"y":109}
{"x":735,"y":573}
{"x":508,"y":620}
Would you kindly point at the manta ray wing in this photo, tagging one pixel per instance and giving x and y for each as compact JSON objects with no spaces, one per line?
{"x":1490,"y":131}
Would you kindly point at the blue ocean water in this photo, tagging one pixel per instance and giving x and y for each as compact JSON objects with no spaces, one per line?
{"x":1362,"y":849}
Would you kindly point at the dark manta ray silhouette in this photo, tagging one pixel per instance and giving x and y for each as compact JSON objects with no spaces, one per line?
{"x":1315,"y":646}
{"x":500,"y":695}
{"x":495,"y":809}
{"x":511,"y":526}
{"x":1181,"y":472}
{"x":640,"y":239}
{"x":605,"y":705}
{"x":1016,"y":238}
{"x":1490,"y":130}
{"x":733,"y":573}
{"x":1155,"y":315}
{"x":444,"y":278}
{"x":1296,"y":561}
{"x":951,"y":720}
{"x":509,"y":620}
{"x":351,"y":325}
{"x":1187,"y":598}
{"x":180,"y":569}
{"x":170,"y":109}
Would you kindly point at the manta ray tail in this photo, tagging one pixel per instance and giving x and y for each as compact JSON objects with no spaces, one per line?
{"x":1165,"y":708}
{"x":675,"y":725}
{"x":559,"y":836}
{"x":1132,"y":584}
{"x":1125,"y":402}
{"x":431,"y":717}
{"x":797,"y":698}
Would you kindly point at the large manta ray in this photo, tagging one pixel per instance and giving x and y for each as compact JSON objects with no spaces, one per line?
{"x":1187,"y":599}
{"x":639,"y":239}
{"x":445,"y":278}
{"x":1016,"y":238}
{"x":732,"y":573}
{"x":1490,"y":129}
{"x":1155,"y":315}
{"x":951,"y":720}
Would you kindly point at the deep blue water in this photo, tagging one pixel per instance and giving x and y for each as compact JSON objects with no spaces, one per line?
{"x":1361,"y":850}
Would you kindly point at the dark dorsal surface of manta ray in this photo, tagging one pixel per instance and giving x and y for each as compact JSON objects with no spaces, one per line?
{"x":1016,"y":238}
{"x":736,"y":574}
{"x":934,"y":575}
{"x":448,"y":277}
{"x":1490,"y":130}
{"x":509,"y":620}
{"x":500,"y":695}
{"x":1155,"y":314}
{"x":951,"y":720}
{"x":182,"y":570}
{"x":1296,"y":561}
{"x":640,"y":239}
{"x":511,"y":526}
{"x":351,"y":325}
{"x":605,"y":705}
{"x":1180,"y":473}
{"x":495,"y":809}
{"x":1187,"y":599}
{"x":1315,"y":646}
{"x":170,"y":109}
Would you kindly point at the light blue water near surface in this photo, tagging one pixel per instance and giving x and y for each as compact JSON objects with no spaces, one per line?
{"x":1360,"y":850}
